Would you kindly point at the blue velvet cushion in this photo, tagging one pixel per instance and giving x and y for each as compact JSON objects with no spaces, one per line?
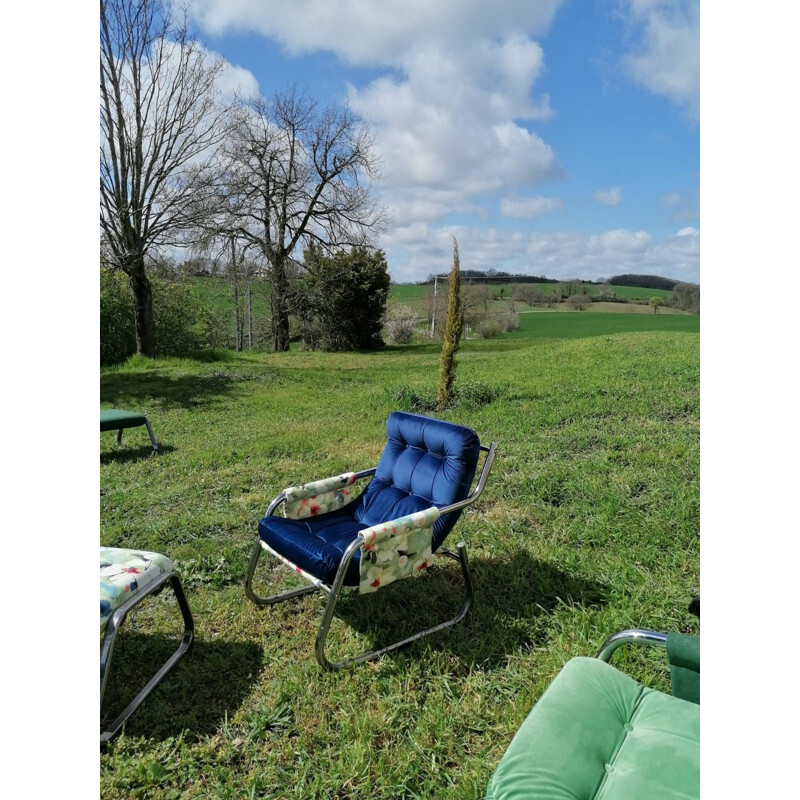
{"x":426,"y":462}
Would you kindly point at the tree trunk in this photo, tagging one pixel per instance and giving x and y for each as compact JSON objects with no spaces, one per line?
{"x":238,"y":316}
{"x":280,"y":311}
{"x":235,"y":278}
{"x":250,"y":315}
{"x":142,"y":310}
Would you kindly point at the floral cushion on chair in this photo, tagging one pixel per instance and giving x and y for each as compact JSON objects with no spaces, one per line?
{"x":123,"y":573}
{"x":394,"y":549}
{"x":319,"y":497}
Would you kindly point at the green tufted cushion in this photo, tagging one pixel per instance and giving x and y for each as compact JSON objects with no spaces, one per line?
{"x":112,"y":419}
{"x":596,"y":734}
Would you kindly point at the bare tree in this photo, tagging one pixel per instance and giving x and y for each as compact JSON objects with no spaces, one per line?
{"x":526,"y":293}
{"x":160,"y":124}
{"x":473,"y":307}
{"x":578,"y":301}
{"x":296,"y":177}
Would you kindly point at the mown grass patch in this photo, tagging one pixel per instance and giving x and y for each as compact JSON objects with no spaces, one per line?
{"x":589,"y":524}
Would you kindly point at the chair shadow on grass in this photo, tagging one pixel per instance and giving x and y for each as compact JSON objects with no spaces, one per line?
{"x":511,"y":597}
{"x":184,"y":391}
{"x":208,"y":683}
{"x":121,"y":455}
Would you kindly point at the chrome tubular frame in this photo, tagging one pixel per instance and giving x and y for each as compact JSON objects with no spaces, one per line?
{"x":630,"y":636}
{"x":334,"y":590}
{"x":110,"y":637}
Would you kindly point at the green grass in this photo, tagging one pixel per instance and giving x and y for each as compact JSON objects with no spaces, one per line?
{"x":589,"y":524}
{"x":218,"y":291}
{"x":411,"y":293}
{"x":579,"y":324}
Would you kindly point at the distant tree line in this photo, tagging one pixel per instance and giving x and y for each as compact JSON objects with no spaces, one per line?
{"x":466,"y":274}
{"x":644,"y":281}
{"x":628,"y":279}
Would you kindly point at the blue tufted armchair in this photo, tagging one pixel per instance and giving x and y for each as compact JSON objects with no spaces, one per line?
{"x":333,"y":537}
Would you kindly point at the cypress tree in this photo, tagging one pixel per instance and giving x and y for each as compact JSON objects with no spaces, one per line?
{"x":452,"y":334}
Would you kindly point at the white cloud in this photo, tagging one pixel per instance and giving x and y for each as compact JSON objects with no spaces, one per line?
{"x":682,"y":210}
{"x":665,"y":58}
{"x":449,"y":124}
{"x":373,"y":34}
{"x":452,"y":120}
{"x":521,"y":207}
{"x":609,"y":197}
{"x":556,"y":254}
{"x":234,"y":80}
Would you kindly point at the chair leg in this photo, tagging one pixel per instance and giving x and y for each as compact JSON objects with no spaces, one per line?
{"x":368,"y":655}
{"x":275,"y":598}
{"x":109,"y":640}
{"x":152,"y":437}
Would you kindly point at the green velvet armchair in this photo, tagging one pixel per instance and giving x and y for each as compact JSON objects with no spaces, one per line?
{"x":597,"y":734}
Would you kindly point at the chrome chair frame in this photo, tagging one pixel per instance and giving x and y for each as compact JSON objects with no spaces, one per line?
{"x":334,"y":590}
{"x":110,"y":638}
{"x":630,"y":636}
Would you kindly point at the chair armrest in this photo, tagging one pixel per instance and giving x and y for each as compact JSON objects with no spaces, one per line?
{"x":394,"y":549}
{"x":330,"y":487}
{"x":376,"y":534}
{"x":683,"y":656}
{"x":630,"y":636}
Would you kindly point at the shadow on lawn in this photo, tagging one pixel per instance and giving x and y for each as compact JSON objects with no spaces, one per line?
{"x":185,"y":391}
{"x":121,"y":455}
{"x":208,"y":682}
{"x":511,"y":597}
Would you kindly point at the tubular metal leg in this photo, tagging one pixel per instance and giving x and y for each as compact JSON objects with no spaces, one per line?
{"x":119,"y":437}
{"x":367,"y":655}
{"x":109,"y":639}
{"x":152,"y":437}
{"x":275,"y":598}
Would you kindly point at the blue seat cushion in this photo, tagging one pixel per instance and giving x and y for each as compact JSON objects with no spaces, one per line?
{"x":426,"y":462}
{"x":315,"y":544}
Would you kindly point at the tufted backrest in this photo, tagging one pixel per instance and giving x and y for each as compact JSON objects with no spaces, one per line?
{"x":426,"y":462}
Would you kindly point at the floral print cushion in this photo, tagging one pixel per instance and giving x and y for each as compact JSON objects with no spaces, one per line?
{"x":397,"y":548}
{"x":319,"y":497}
{"x":125,"y":572}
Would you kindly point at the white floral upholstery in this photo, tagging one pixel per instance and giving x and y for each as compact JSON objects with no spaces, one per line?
{"x":123,"y":573}
{"x":319,"y":497}
{"x":397,"y":548}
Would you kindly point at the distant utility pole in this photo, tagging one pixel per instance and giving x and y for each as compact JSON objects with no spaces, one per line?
{"x":433,"y":314}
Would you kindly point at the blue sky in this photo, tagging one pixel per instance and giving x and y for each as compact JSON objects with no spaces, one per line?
{"x":556,"y":137}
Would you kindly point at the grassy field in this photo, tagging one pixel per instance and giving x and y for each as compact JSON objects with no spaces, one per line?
{"x":406,"y":294}
{"x":579,"y":324}
{"x":589,"y":524}
{"x":218,"y":292}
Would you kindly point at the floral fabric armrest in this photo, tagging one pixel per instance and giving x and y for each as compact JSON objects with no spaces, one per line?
{"x":397,"y":548}
{"x":319,"y":497}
